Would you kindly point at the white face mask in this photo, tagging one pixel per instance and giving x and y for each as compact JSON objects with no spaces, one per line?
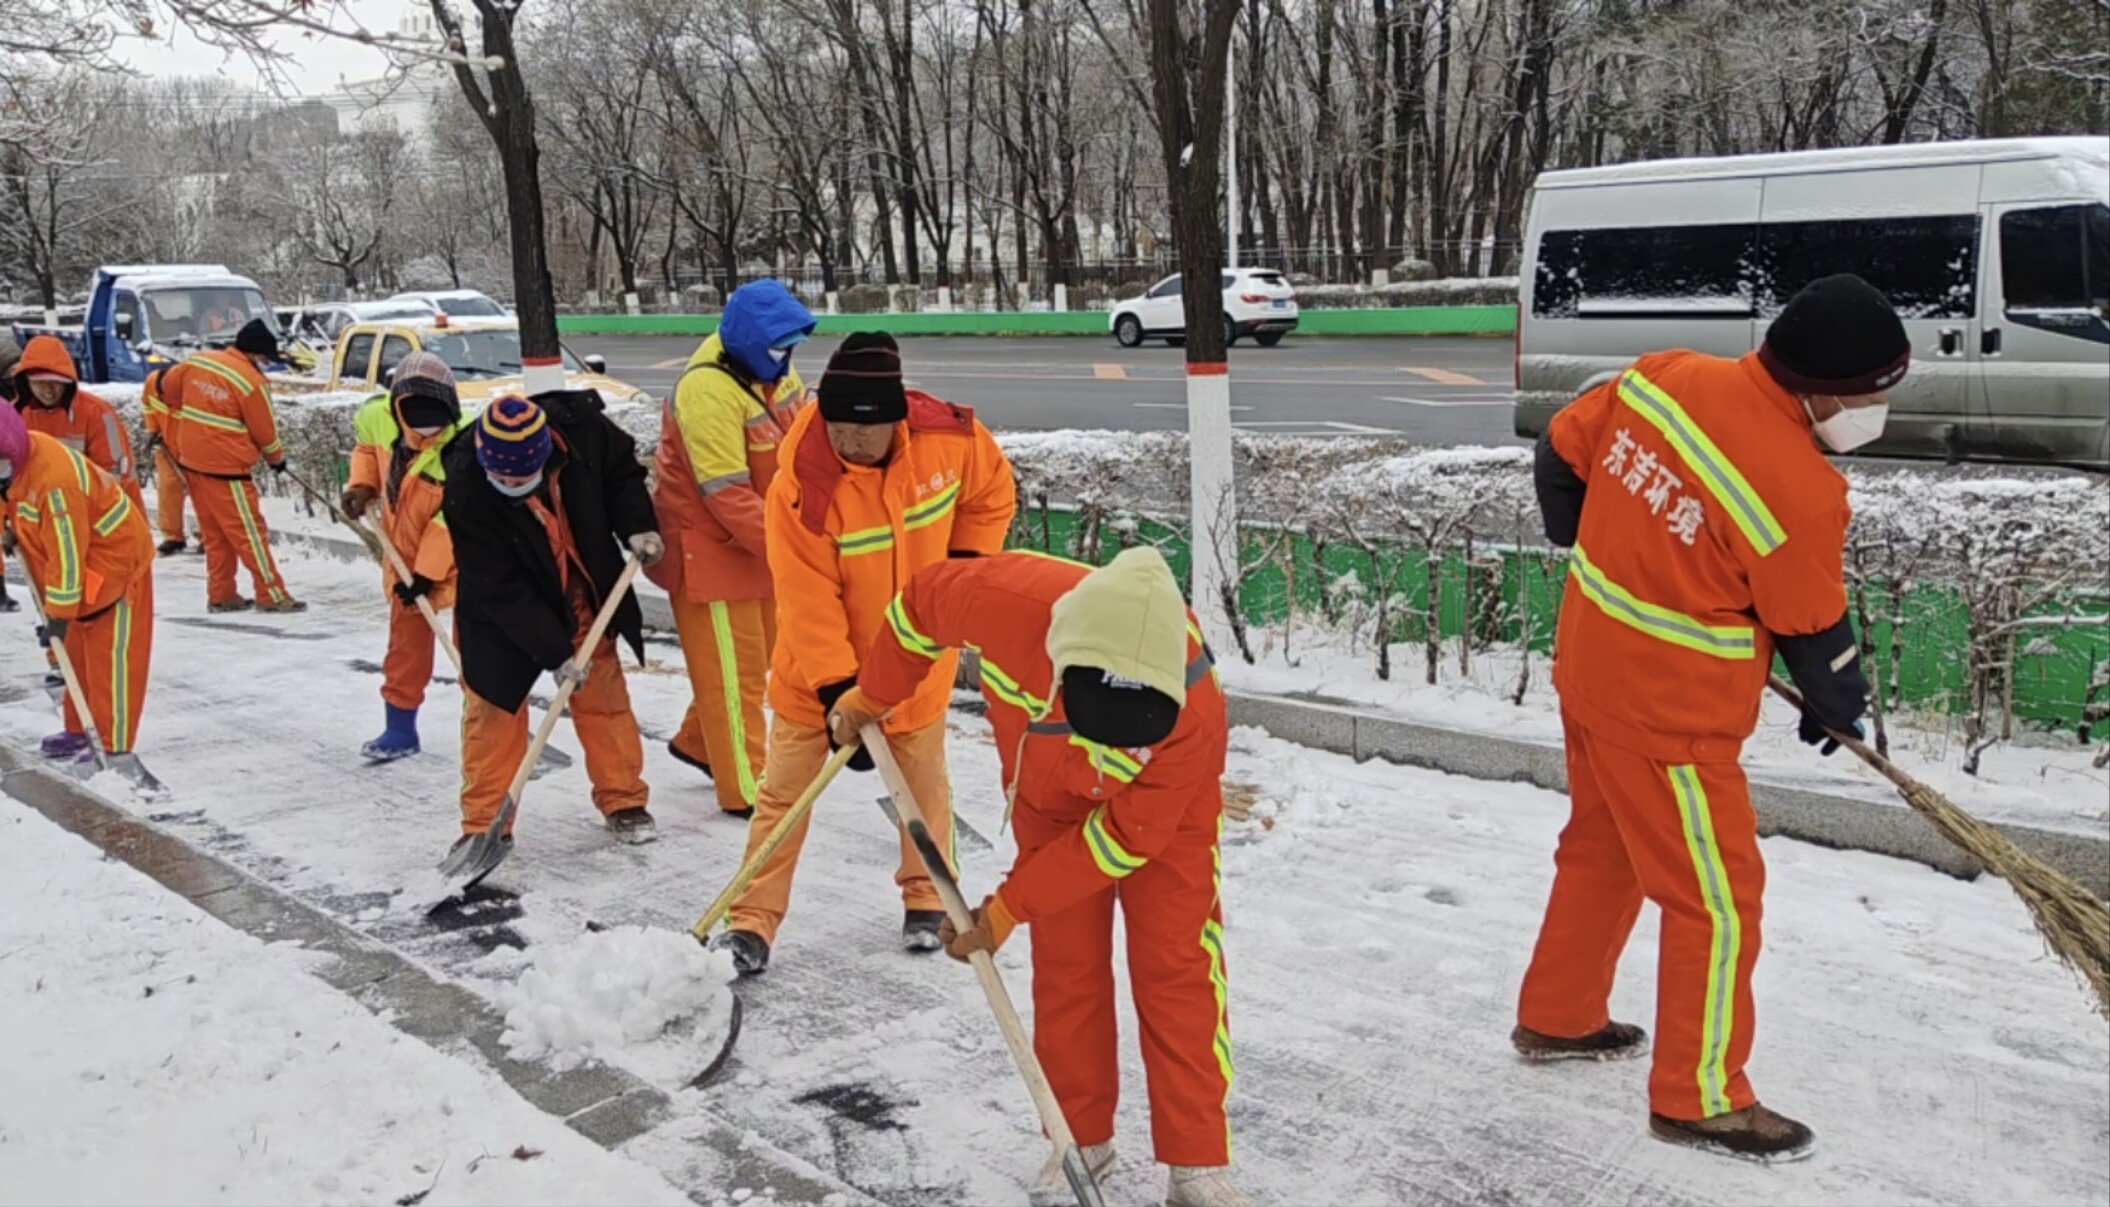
{"x":521,"y":491}
{"x":1851,"y":428}
{"x":780,"y":355}
{"x":424,"y":433}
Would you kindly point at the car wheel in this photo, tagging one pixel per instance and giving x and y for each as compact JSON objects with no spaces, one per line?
{"x":1175,"y":341}
{"x":1268,"y":339}
{"x":1230,"y":333}
{"x":1128,"y":331}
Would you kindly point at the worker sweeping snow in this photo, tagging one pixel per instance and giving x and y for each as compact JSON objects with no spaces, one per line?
{"x":1111,"y":727}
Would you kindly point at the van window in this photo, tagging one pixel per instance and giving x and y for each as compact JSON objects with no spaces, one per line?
{"x":358,"y":354}
{"x":393,"y":350}
{"x":127,"y":328}
{"x":1927,"y":267}
{"x":2057,"y":258}
{"x":1698,"y":271}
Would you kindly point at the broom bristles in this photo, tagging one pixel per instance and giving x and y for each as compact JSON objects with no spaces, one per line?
{"x":2073,"y":922}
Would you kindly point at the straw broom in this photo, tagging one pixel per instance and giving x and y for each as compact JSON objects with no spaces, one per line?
{"x":2074,"y":922}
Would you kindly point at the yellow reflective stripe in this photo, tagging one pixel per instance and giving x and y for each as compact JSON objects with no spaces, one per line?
{"x":1213,"y":943}
{"x":735,"y":706}
{"x":194,"y":415}
{"x":265,"y":570}
{"x":1112,"y":858}
{"x":1053,"y":557}
{"x":28,"y":511}
{"x":273,"y":447}
{"x":930,"y":511}
{"x":115,"y":516}
{"x":1005,"y":688}
{"x":67,"y":591}
{"x":80,"y":468}
{"x":1734,"y":643}
{"x":118,"y":736}
{"x":907,"y":634}
{"x":864,"y":540}
{"x":1726,"y":938}
{"x":1109,"y":761}
{"x":222,"y":371}
{"x":1717,"y":473}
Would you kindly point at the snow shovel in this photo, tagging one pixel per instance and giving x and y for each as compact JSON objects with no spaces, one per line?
{"x":127,"y":765}
{"x":385,"y":552}
{"x":2073,"y":922}
{"x":777,"y":834}
{"x":1007,"y":1021}
{"x":481,"y":855}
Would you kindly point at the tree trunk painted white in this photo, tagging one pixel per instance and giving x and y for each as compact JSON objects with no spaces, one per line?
{"x":834,"y":301}
{"x":1210,"y":484}
{"x":1380,"y":277}
{"x":630,"y":304}
{"x":539,"y":376}
{"x":1062,"y":298}
{"x":945,"y":299}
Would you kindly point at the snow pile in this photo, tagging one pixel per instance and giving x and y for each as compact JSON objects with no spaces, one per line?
{"x":610,"y":990}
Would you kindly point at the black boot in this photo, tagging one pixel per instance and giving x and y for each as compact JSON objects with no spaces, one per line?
{"x":750,"y":951}
{"x":684,"y":757}
{"x":1613,"y":1041}
{"x":171,"y":548}
{"x":1752,"y":1134}
{"x":919,"y":930}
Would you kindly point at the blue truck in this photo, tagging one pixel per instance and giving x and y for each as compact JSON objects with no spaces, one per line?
{"x":141,"y":317}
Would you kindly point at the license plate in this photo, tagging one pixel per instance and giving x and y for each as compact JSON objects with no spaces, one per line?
{"x":1280,"y":304}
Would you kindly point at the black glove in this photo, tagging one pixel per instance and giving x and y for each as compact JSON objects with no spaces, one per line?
{"x":829,"y":693}
{"x":50,"y":631}
{"x":279,"y":467}
{"x":408,"y":594}
{"x":1814,"y":732}
{"x":1826,"y":668}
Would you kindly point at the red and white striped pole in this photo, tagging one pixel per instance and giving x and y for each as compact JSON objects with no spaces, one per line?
{"x":541,"y":374}
{"x":1213,"y":495}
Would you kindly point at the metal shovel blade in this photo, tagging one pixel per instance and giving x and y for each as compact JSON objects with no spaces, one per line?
{"x":964,"y":834}
{"x":481,"y":855}
{"x":725,"y":1050}
{"x":1079,"y":1176}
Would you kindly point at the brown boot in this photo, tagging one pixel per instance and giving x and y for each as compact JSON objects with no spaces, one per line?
{"x":288,"y":604}
{"x":1613,"y":1041}
{"x":1751,"y":1134}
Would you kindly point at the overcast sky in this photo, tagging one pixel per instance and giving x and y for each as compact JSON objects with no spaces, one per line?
{"x":316,"y":63}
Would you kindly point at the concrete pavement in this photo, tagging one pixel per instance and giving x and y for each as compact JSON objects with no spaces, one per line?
{"x":1435,"y":390}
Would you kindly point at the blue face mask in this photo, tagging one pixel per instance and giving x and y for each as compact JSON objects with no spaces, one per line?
{"x":521,"y":491}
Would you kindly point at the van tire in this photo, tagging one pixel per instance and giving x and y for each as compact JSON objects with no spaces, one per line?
{"x":1128,"y":331}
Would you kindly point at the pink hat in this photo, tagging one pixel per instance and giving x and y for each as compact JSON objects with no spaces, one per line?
{"x":14,"y":437}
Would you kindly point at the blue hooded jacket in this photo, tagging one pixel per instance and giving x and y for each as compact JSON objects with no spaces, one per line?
{"x":758,"y":316}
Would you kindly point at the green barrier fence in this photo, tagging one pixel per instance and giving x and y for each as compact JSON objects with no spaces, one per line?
{"x":1418,"y":320}
{"x":1506,"y":595}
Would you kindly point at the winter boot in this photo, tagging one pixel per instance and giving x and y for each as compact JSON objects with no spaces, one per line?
{"x":1204,"y":1186}
{"x":1052,"y":1187}
{"x":237,"y":604}
{"x":8,"y":603}
{"x":171,"y":548}
{"x":284,"y":605}
{"x":682,"y":756}
{"x":1613,"y":1041}
{"x":1751,"y":1134}
{"x":399,"y":739}
{"x":633,"y":825}
{"x":65,"y":744}
{"x":919,"y":930}
{"x":750,"y":951}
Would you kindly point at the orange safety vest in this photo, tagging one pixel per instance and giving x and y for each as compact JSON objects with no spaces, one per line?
{"x":221,"y":407}
{"x":83,"y":541}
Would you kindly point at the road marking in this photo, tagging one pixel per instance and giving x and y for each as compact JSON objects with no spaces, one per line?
{"x":1177,"y":406}
{"x":1446,"y":377}
{"x":1470,"y":400}
{"x":678,"y":362}
{"x":1110,"y":372}
{"x":1337,"y":427}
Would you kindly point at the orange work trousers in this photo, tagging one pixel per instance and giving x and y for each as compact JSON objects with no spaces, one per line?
{"x":231,"y":525}
{"x":727,"y":644}
{"x":1172,"y":914}
{"x":110,"y":653}
{"x":168,"y":495}
{"x":494,"y":742}
{"x":407,"y":667}
{"x":1682,"y":835}
{"x":796,"y":755}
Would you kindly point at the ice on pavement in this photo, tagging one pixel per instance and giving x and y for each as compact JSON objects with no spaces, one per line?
{"x":612,"y":993}
{"x":1378,"y":922}
{"x":150,"y":1054}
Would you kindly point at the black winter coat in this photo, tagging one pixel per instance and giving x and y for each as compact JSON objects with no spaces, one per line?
{"x":510,"y":610}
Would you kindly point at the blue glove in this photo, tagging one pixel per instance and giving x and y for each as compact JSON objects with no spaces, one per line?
{"x":1814,"y":732}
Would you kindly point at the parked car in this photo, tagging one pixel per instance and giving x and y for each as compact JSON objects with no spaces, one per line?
{"x":1256,"y":301}
{"x":322,"y":324}
{"x":1996,"y":255}
{"x":455,"y":303}
{"x":484,"y":354}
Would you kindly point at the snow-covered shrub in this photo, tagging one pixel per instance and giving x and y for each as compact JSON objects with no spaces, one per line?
{"x":863,"y":299}
{"x":1411,"y":269}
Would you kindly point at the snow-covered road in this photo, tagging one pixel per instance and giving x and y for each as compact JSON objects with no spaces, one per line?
{"x":1379,"y":919}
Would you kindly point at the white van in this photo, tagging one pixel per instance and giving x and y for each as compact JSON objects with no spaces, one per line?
{"x":1996,"y":254}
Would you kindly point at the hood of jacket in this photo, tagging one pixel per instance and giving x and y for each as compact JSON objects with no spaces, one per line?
{"x":45,"y":354}
{"x":758,"y":316}
{"x":1126,"y":617}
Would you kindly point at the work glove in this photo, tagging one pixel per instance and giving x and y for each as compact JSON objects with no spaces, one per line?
{"x":852,"y":711}
{"x":1814,"y":732}
{"x":50,"y":631}
{"x":411,"y":592}
{"x":993,"y":924}
{"x":357,"y":499}
{"x":829,"y":693}
{"x":279,"y":467}
{"x":571,"y":672}
{"x":648,"y":547}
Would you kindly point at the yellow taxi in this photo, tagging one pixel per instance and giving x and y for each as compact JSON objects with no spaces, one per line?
{"x":483,"y":352}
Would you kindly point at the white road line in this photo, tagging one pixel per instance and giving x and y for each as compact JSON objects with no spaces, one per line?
{"x":1176,"y":406}
{"x":1465,"y":400}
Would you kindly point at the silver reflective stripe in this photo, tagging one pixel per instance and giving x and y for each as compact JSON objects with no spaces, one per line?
{"x":723,"y":481}
{"x":117,"y":445}
{"x":1057,"y":729}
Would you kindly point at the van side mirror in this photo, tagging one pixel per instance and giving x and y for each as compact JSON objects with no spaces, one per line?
{"x":123,"y":328}
{"x":595,"y":364}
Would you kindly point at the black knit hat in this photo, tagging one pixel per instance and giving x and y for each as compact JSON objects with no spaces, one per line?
{"x":1116,"y":712}
{"x":257,"y":340}
{"x":1838,"y":336}
{"x":862,"y":383}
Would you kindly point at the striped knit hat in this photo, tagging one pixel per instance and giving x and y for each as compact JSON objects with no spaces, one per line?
{"x":512,"y":438}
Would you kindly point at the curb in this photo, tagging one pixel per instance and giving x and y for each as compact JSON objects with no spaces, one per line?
{"x":600,"y":1102}
{"x":1840,"y":822}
